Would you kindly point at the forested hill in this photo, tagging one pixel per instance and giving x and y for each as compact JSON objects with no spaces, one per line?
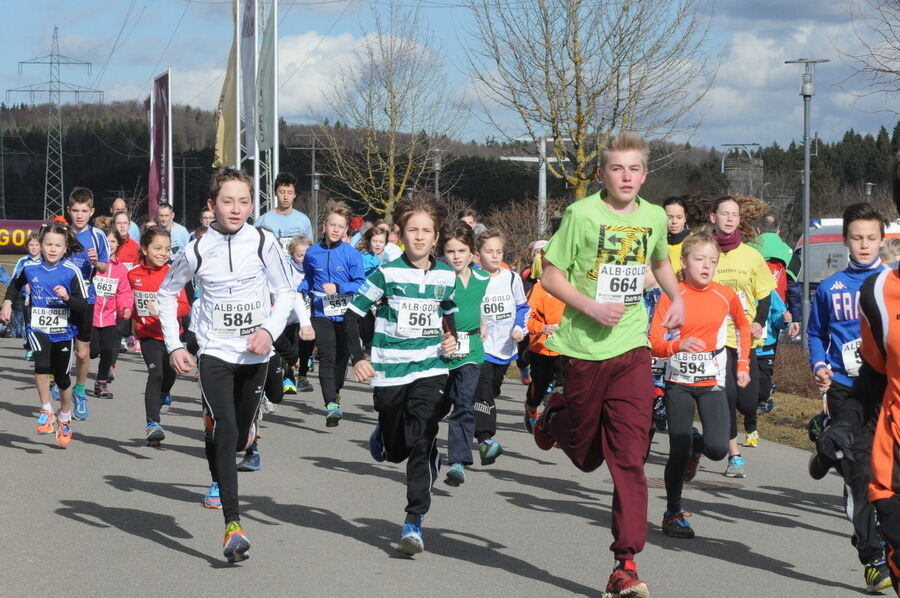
{"x":105,"y":148}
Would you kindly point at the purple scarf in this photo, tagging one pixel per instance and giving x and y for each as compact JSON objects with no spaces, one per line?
{"x":728,"y":242}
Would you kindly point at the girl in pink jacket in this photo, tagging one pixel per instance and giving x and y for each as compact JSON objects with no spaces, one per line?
{"x":114,"y":299}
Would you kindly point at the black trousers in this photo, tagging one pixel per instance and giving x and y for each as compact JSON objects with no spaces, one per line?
{"x":489,"y":383}
{"x":766,"y":366}
{"x":408,"y":416}
{"x":888,"y":510}
{"x":275,"y":379}
{"x":287,"y":348}
{"x":160,"y":375}
{"x":544,"y":372}
{"x":231,"y":394}
{"x":712,"y":404}
{"x":857,"y":474}
{"x":105,"y":344}
{"x":51,"y":357}
{"x":304,"y":352}
{"x":741,"y":399}
{"x":334,"y":354}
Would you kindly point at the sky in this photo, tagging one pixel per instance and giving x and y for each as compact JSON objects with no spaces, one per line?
{"x":754,"y":97}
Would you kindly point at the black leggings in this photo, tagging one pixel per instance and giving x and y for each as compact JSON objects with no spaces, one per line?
{"x":105,"y":344}
{"x":489,"y":383}
{"x":304,"y":352}
{"x":275,"y":379}
{"x":714,"y":415}
{"x":231,"y":394}
{"x":287,"y":349}
{"x":544,"y":372}
{"x":741,"y":399}
{"x":334,"y":354}
{"x":766,"y":367}
{"x":160,"y":375}
{"x":52,"y":357}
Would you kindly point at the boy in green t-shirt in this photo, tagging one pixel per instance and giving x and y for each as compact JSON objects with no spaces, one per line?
{"x":595,"y":264}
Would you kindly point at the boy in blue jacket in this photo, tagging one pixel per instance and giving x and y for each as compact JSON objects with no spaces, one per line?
{"x":834,"y":337}
{"x":333,"y":272}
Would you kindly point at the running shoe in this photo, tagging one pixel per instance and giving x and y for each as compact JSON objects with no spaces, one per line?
{"x":691,"y":467}
{"x":333,"y":415}
{"x":525,"y":376}
{"x":818,"y":466}
{"x":111,"y":376}
{"x":130,"y":343}
{"x":268,"y":406}
{"x":624,"y":583}
{"x":735,"y":467}
{"x":165,"y":402}
{"x":411,"y":540}
{"x":303,"y":385}
{"x":489,"y":450}
{"x":46,"y":419}
{"x":676,"y":525}
{"x":660,"y":420}
{"x":376,"y":445}
{"x":532,"y":414}
{"x":54,"y":392}
{"x":767,"y":406}
{"x":236,"y":546}
{"x":542,"y":437}
{"x":123,"y":346}
{"x":63,"y":433}
{"x":212,"y":499}
{"x":752,"y":439}
{"x":250,"y":462}
{"x":29,"y":355}
{"x":456,"y":475}
{"x":81,"y":410}
{"x":155,"y":433}
{"x":289,"y":387}
{"x":101,"y":390}
{"x":878,"y":575}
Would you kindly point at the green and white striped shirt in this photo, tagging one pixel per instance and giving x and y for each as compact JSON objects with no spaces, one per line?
{"x":408,"y":320}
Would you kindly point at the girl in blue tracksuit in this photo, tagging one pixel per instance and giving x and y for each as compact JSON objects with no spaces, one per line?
{"x":333,"y":271}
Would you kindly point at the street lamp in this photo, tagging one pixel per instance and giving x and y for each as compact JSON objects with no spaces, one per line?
{"x":869,"y":188}
{"x":316,"y":184}
{"x":436,"y":166}
{"x":807,"y":91}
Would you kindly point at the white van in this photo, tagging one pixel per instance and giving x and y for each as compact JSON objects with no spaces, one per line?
{"x":827,"y":253}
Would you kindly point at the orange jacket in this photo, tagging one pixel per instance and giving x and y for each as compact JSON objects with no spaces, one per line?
{"x":545,"y":309}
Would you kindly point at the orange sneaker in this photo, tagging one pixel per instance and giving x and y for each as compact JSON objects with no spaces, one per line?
{"x":45,"y":422}
{"x":236,"y":545}
{"x":63,"y":433}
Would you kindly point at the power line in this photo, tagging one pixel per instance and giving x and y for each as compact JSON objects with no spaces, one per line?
{"x":316,"y":47}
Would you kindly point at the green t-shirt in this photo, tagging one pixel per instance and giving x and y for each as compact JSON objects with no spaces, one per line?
{"x":605,"y":256}
{"x":468,"y":318}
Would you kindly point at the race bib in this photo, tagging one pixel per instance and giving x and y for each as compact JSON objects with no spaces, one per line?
{"x":418,"y":318}
{"x":498,"y":308}
{"x":51,"y":320}
{"x":620,"y":284}
{"x":335,"y":305}
{"x":142,"y":302}
{"x":105,"y":287}
{"x":463,"y":344}
{"x":285,"y":243}
{"x":852,"y":358}
{"x":235,"y":319}
{"x":744,"y":304}
{"x":690,"y":368}
{"x":658,"y":366}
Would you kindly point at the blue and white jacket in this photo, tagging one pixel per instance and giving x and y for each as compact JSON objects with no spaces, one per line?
{"x":336,"y":263}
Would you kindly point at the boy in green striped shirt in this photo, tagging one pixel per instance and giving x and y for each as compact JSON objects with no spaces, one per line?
{"x":414,"y":298}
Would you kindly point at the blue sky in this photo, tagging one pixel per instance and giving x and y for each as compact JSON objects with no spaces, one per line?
{"x":753,"y":99}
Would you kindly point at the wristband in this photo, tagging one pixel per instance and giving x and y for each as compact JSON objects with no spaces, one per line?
{"x":818,"y":366}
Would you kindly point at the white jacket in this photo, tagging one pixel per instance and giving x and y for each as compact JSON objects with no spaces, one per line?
{"x":246,"y":287}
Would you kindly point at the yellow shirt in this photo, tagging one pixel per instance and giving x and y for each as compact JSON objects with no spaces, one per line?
{"x":675,"y":256}
{"x":744,"y":270}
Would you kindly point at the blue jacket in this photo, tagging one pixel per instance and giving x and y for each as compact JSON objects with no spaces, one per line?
{"x":774,"y":325}
{"x":833,"y":325}
{"x":339,"y":264}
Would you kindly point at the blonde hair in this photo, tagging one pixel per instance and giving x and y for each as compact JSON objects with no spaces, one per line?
{"x":624,"y":142}
{"x":890,"y":250}
{"x":696,"y":240}
{"x":301,"y":240}
{"x":339,"y":208}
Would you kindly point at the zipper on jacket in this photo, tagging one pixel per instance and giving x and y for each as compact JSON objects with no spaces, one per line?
{"x":230,"y":267}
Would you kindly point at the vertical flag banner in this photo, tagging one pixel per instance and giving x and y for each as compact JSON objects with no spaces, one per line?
{"x":248,"y":75}
{"x":159,"y":187}
{"x":225,"y":117}
{"x":153,"y":174}
{"x":265,"y":87}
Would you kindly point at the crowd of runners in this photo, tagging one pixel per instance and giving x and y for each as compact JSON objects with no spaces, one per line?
{"x":627,"y":321}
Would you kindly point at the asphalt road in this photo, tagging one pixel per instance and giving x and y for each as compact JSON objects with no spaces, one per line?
{"x":109,"y":516}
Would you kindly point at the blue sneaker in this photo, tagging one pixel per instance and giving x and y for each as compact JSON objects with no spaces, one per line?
{"x":80,"y":411}
{"x":489,"y":450}
{"x":165,"y":401}
{"x":376,"y":445}
{"x":735,"y":467}
{"x":767,"y":406}
{"x":532,"y":414}
{"x":155,"y":433}
{"x":675,"y":525}
{"x":411,"y":540}
{"x":29,"y":355}
{"x":456,"y":475}
{"x":333,"y":415}
{"x":303,"y":385}
{"x":212,"y":499}
{"x":250,"y":462}
{"x":54,"y":392}
{"x":289,"y":387}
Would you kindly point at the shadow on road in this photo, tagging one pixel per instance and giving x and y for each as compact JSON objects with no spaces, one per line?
{"x":11,"y":440}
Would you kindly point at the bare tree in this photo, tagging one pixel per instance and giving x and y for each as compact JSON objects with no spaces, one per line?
{"x":876,"y":26}
{"x":396,"y":110}
{"x":579,"y":70}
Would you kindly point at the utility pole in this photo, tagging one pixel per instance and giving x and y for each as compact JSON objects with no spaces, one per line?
{"x":53,"y":176}
{"x":436,"y":166}
{"x":315,"y":179}
{"x":807,"y":91}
